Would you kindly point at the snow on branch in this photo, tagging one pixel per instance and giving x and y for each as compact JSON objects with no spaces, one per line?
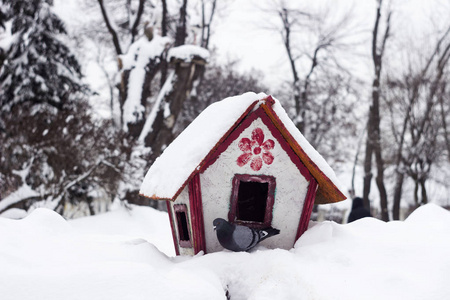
{"x":141,"y":53}
{"x":167,"y":87}
{"x":188,"y":53}
{"x":24,"y":193}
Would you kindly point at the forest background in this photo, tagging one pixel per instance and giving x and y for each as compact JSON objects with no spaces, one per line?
{"x":92,"y":91}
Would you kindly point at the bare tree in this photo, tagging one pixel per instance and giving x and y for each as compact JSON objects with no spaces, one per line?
{"x":373,"y":142}
{"x":315,"y":42}
{"x":419,"y":98}
{"x":150,"y":111}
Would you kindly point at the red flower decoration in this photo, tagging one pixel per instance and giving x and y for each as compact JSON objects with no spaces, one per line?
{"x":255,"y":150}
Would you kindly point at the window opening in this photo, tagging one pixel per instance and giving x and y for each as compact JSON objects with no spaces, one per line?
{"x":182,"y":225}
{"x":252,"y":201}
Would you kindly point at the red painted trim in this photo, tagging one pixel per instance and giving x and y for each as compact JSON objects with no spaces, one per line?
{"x":195,"y":203}
{"x":232,"y":215}
{"x":182,"y":208}
{"x":283,"y":143}
{"x":219,"y":147}
{"x":307,"y":208}
{"x":172,"y":224}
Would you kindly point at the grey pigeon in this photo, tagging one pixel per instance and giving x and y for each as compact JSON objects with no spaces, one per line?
{"x":240,"y":238}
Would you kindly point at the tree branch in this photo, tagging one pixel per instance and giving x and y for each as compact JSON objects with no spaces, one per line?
{"x":137,"y":20}
{"x":111,"y":27}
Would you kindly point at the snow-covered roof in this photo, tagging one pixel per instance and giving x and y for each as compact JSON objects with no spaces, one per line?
{"x":187,"y":153}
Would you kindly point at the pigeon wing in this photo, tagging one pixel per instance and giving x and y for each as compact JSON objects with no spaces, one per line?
{"x":245,"y":238}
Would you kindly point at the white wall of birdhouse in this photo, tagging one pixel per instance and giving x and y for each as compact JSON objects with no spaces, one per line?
{"x":290,"y":193}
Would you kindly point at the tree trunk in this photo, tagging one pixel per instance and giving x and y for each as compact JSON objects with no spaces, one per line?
{"x":151,"y":69}
{"x":416,"y":192}
{"x":164,"y":26}
{"x":360,"y":139}
{"x":424,"y":191}
{"x":377,"y":146}
{"x":161,"y":133}
{"x":367,"y":170}
{"x":180,"y":35}
{"x":381,"y":187}
{"x":373,"y":144}
{"x":91,"y":208}
{"x":397,"y":195}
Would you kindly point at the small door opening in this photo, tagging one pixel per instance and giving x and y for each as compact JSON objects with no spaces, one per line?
{"x":252,"y":201}
{"x":182,"y":225}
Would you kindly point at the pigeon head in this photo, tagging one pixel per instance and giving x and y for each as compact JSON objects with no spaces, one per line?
{"x":220,"y":223}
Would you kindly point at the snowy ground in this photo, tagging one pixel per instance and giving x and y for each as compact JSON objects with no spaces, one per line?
{"x":116,"y":256}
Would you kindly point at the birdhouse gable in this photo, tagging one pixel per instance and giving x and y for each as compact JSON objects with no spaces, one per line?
{"x":256,"y":137}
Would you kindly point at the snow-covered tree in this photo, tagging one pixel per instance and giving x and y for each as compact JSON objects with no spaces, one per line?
{"x":53,"y":152}
{"x":39,"y":67}
{"x":160,"y":63}
{"x":59,"y":157}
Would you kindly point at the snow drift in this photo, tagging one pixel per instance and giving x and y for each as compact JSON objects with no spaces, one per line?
{"x":113,"y":256}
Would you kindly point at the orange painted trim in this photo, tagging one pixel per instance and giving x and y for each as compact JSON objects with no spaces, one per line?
{"x":154,"y":197}
{"x":326,"y":186}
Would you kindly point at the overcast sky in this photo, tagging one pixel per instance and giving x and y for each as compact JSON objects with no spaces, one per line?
{"x":240,"y":32}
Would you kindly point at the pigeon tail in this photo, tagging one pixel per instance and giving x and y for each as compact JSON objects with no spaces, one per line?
{"x":268,"y":232}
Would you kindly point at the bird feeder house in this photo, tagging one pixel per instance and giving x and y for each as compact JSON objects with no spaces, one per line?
{"x":242,"y":159}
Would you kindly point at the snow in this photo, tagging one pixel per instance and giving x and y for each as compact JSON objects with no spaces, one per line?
{"x":166,"y":89}
{"x":20,"y":194}
{"x":113,"y":256}
{"x":187,"y":52}
{"x":139,"y":55}
{"x":171,"y":170}
{"x":14,"y":213}
{"x":6,"y":38}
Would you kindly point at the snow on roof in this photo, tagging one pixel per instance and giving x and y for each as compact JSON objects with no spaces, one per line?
{"x":307,"y":147}
{"x":184,"y":155}
{"x":171,"y":170}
